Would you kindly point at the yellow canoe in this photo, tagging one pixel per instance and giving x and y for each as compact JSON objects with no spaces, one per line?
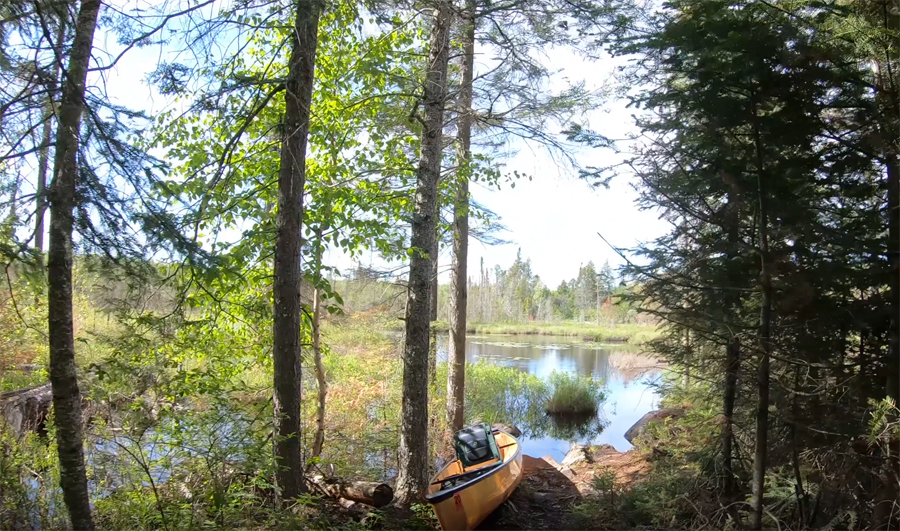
{"x":463,"y":496}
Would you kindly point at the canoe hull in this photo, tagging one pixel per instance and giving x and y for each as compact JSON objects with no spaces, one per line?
{"x":467,"y":507}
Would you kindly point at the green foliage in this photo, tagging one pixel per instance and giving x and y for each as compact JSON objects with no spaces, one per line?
{"x":740,"y":115}
{"x":572,"y":394}
{"x":28,"y":481}
{"x":211,"y":467}
{"x":884,"y":425}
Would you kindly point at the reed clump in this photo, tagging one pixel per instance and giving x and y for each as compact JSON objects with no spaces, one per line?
{"x":573,"y":395}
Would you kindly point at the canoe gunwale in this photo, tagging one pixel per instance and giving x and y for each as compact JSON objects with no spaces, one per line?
{"x":442,"y":495}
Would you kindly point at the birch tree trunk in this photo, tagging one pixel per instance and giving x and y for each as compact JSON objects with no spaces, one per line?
{"x":412,"y":474}
{"x":291,"y":180}
{"x":63,"y":373}
{"x":459,"y":297}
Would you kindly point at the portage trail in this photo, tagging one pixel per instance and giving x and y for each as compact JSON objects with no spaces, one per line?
{"x":550,"y":489}
{"x":546,"y":499}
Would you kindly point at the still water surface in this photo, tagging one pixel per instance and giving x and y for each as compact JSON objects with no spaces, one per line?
{"x":627,"y":375}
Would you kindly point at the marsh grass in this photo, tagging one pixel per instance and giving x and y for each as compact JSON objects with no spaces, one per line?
{"x":573,"y":395}
{"x":633,"y":334}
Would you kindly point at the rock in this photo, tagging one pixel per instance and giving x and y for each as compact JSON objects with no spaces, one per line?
{"x":552,"y":462}
{"x":578,"y":454}
{"x":603,"y":449}
{"x":640,"y":427}
{"x":508,"y":428}
{"x":568,"y":472}
{"x":542,"y":498}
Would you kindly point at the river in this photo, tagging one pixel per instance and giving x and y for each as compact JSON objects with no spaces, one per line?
{"x":627,"y":375}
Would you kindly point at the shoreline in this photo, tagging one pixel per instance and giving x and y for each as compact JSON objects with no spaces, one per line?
{"x":619,"y":333}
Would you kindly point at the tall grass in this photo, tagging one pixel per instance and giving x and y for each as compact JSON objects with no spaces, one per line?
{"x":615,"y":333}
{"x":573,"y":395}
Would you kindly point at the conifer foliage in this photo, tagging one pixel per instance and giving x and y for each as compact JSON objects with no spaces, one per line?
{"x":769,"y":142}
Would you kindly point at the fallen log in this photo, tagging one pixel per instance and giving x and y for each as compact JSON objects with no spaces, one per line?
{"x":26,"y":409}
{"x":368,"y":492}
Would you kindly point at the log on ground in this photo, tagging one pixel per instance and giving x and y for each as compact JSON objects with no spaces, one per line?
{"x":368,"y":492}
{"x":26,"y":409}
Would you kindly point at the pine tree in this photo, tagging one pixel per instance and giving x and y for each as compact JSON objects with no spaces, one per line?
{"x":412,"y":474}
{"x":63,"y":372}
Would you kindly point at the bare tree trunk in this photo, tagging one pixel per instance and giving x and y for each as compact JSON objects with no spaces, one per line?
{"x":435,"y":252}
{"x":482,"y":292}
{"x":412,"y":455}
{"x":795,"y":450}
{"x":291,"y":180}
{"x":732,"y":366}
{"x":892,"y":384}
{"x":319,"y":440}
{"x":63,"y":372}
{"x":432,"y":361}
{"x":13,"y":213}
{"x":765,"y":347}
{"x":46,"y":137}
{"x":862,"y":375}
{"x":459,"y":296}
{"x":732,"y":354}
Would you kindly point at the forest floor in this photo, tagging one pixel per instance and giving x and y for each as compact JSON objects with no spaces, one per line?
{"x":549,"y":496}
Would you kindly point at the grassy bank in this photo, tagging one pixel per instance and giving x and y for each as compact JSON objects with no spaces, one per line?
{"x":618,"y":333}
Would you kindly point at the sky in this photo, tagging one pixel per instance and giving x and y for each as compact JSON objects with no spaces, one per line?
{"x":553,"y":218}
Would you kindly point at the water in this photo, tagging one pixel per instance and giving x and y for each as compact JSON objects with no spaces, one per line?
{"x":627,"y":377}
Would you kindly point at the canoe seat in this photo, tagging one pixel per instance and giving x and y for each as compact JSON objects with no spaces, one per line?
{"x":475,"y":445}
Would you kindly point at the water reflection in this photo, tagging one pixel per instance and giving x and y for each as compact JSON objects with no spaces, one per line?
{"x":628,"y":376}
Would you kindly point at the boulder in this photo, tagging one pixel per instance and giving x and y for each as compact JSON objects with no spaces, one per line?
{"x":552,"y":462}
{"x":578,"y":454}
{"x":640,"y":427}
{"x":568,"y":473}
{"x":603,"y":449}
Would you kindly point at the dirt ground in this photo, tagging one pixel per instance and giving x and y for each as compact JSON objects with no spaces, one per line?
{"x":549,"y":489}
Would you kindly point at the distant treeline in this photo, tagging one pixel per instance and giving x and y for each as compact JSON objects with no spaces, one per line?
{"x":514,"y":294}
